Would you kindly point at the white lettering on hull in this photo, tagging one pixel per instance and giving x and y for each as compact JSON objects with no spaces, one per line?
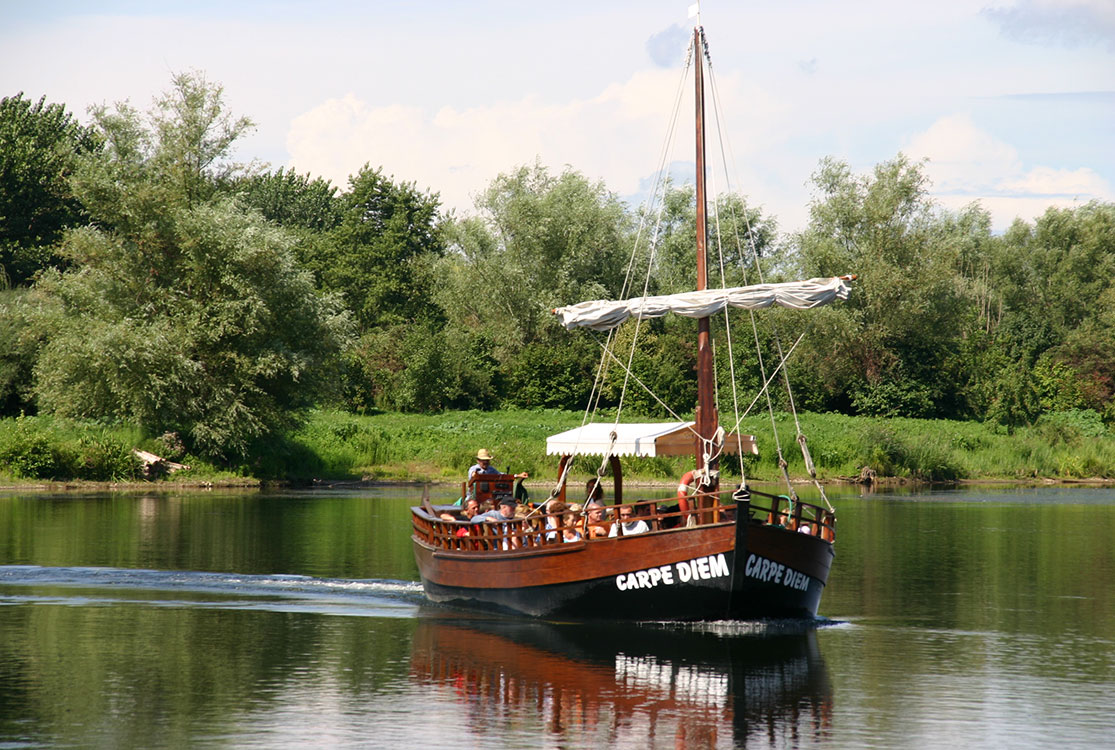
{"x":698,"y":569}
{"x":769,"y":571}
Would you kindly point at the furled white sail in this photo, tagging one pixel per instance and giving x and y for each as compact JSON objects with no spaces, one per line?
{"x":603,"y":315}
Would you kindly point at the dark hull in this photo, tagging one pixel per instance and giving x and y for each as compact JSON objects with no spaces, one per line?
{"x":699,"y":576}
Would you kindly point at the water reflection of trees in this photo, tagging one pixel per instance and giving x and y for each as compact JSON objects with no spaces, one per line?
{"x":627,"y":686}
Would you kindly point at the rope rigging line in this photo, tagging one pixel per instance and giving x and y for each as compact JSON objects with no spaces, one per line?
{"x":644,"y":386}
{"x":653,"y":245}
{"x":717,"y":439}
{"x":660,"y":174}
{"x":767,"y":383}
{"x":723,"y":273}
{"x":801,"y":438}
{"x":723,"y":285}
{"x":655,"y":207}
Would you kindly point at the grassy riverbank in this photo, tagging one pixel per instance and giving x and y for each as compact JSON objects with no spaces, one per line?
{"x":413,"y":447}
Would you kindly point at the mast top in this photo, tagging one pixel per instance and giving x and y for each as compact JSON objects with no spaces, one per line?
{"x":695,"y":12}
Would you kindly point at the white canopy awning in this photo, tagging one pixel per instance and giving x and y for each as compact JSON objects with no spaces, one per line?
{"x":642,"y":440}
{"x":603,"y":315}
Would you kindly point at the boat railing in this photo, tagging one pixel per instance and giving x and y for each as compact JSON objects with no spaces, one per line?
{"x":547,"y":530}
{"x":793,"y":515}
{"x":491,"y":536}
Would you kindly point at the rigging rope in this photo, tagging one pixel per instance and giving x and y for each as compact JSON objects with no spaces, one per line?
{"x":653,"y":245}
{"x":711,"y":448}
{"x":801,"y":438}
{"x":724,"y":285}
{"x":655,"y":207}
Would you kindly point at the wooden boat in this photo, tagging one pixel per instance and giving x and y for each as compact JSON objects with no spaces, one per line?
{"x":623,"y":686}
{"x":718,"y":554}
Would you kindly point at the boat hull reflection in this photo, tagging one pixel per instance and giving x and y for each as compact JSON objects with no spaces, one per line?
{"x":632,"y":686}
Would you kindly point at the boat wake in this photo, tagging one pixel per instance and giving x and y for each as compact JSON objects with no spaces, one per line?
{"x":88,"y":586}
{"x":762,"y":628}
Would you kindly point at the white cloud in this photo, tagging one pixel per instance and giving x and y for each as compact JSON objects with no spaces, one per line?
{"x":615,"y":136}
{"x":1058,"y":183}
{"x":967,"y":164}
{"x":447,"y":95}
{"x":961,"y":156}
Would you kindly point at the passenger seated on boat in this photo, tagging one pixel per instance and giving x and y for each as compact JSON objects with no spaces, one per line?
{"x":668,"y":516}
{"x":647,"y":510}
{"x":504,"y":511}
{"x":627,"y":524}
{"x":470,"y":508}
{"x":555,"y":510}
{"x":596,"y":527}
{"x":505,"y":516}
{"x":594,"y":491}
{"x":570,"y":533}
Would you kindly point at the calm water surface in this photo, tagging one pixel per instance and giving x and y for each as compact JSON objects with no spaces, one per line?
{"x":970,"y":618}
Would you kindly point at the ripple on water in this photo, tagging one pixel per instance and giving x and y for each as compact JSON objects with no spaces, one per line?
{"x":86,"y":586}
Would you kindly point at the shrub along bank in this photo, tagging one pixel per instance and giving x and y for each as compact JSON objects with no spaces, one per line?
{"x":413,"y":447}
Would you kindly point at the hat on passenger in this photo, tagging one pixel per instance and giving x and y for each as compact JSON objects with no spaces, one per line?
{"x":507,"y":501}
{"x":483,"y":455}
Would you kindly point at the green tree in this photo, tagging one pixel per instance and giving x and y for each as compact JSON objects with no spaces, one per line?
{"x":291,"y":200}
{"x":538,"y":241}
{"x":193,"y":133}
{"x":307,"y":207}
{"x":383,"y":250}
{"x":733,"y":228}
{"x":893,"y":348}
{"x":422,"y":368}
{"x":1090,"y":351}
{"x":20,"y":340}
{"x":39,"y":143}
{"x":380,"y":257}
{"x":1055,"y":278}
{"x":183,"y":311}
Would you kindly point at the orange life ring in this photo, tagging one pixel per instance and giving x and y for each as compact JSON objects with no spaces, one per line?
{"x":683,"y":492}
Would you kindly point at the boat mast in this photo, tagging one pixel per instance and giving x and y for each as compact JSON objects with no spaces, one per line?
{"x":707,"y":419}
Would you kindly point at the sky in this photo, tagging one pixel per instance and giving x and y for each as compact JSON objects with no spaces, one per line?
{"x":1011,"y":102}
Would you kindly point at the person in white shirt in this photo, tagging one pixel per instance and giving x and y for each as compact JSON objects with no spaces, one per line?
{"x":627,"y":527}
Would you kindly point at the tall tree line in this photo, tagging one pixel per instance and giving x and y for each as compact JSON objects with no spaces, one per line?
{"x":147,"y":277}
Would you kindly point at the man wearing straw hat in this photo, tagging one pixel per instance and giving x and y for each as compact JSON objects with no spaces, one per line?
{"x":483,"y":465}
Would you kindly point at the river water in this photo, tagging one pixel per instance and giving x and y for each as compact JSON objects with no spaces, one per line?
{"x":963,"y":618}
